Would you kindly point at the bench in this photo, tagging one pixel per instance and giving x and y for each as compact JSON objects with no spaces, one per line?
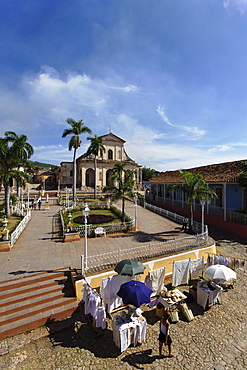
{"x":99,"y":231}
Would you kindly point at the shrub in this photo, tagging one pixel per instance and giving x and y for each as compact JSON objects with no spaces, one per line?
{"x":94,"y":219}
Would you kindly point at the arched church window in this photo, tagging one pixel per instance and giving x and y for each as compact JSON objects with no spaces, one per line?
{"x":110,"y":154}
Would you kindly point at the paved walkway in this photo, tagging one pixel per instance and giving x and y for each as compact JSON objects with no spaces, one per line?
{"x":40,"y":247}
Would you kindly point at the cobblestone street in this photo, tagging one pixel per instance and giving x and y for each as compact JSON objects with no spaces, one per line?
{"x":215,"y":339}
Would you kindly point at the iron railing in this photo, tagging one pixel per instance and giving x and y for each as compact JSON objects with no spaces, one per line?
{"x":228,"y":215}
{"x":197,"y":226}
{"x":109,"y":260}
{"x":112,"y":228}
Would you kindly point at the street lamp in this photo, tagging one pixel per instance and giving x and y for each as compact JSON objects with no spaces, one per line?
{"x":22,"y":204}
{"x":136,"y":197}
{"x":86,"y":212}
{"x":28,"y":190}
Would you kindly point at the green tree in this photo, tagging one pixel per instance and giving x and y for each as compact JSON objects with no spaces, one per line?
{"x":195,"y":188}
{"x":125,"y":182}
{"x":96,"y":148}
{"x":8,"y":171}
{"x":242,"y":179}
{"x":148,"y":173}
{"x":77,"y":128}
{"x":22,"y":151}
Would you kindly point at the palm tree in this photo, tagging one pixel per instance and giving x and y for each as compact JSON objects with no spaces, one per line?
{"x":23,"y":151}
{"x":96,"y":148}
{"x":125,"y":180}
{"x":195,"y":188}
{"x":77,"y":128}
{"x":8,"y":171}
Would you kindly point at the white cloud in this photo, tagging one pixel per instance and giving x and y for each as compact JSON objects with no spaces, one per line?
{"x":220,"y":148}
{"x":165,"y":157}
{"x":54,"y":154}
{"x":161,"y":112}
{"x":135,"y":133}
{"x":45,"y":100}
{"x":195,"y":132}
{"x":127,"y":88}
{"x":240,"y":5}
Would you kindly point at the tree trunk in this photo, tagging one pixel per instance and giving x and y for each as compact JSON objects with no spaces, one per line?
{"x":6,"y":198}
{"x":74,"y":176}
{"x":191,"y":220}
{"x":123,"y":218}
{"x":18,"y":192}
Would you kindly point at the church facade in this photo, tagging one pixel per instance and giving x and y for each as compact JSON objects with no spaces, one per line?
{"x":114,"y":152}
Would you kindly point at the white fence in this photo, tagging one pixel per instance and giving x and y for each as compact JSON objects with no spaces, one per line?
{"x":15,"y":235}
{"x":197,"y":226}
{"x":109,"y":260}
{"x":229,"y":214}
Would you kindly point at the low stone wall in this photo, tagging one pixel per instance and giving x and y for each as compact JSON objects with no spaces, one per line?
{"x":5,"y":246}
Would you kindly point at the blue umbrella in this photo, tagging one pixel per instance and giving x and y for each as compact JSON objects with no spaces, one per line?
{"x":135,"y":293}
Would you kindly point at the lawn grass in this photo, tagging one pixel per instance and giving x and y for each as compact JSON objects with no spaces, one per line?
{"x":106,"y":212}
{"x":13,"y":221}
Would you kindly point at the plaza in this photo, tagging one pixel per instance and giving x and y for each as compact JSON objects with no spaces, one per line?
{"x":71,"y":343}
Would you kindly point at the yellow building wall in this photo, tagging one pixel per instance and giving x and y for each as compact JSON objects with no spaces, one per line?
{"x":95,"y":280}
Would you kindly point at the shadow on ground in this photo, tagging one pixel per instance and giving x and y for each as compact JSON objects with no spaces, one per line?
{"x":222,"y":235}
{"x":140,"y":358}
{"x":163,"y":236}
{"x":77,"y":331}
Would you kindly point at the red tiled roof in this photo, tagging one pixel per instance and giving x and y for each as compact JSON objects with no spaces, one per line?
{"x":214,"y":173}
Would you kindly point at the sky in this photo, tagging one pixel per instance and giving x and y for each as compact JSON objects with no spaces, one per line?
{"x":168,"y":77}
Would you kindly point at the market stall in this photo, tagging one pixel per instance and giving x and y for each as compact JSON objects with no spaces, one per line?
{"x":208,"y":293}
{"x":171,"y":298}
{"x":129,"y":328}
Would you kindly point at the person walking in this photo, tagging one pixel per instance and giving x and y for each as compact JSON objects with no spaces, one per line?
{"x":164,"y":336}
{"x":39,"y":203}
{"x":185,"y":224}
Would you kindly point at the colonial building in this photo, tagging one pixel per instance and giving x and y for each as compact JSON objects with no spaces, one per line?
{"x":114,"y":152}
{"x":46,"y":179}
{"x":222,"y":211}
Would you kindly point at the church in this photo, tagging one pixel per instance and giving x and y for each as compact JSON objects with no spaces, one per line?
{"x":114,"y":152}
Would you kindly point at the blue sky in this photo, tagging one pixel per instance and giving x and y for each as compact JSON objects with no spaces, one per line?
{"x":169,"y":77}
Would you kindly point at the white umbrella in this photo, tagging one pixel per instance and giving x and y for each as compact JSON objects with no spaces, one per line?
{"x":220,"y":272}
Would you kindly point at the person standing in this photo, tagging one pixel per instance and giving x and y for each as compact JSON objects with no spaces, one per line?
{"x":164,"y":336}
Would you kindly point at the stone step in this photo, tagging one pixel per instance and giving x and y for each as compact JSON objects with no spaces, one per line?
{"x":36,"y":287}
{"x":32,"y":274}
{"x":39,"y":318}
{"x":31,"y":309}
{"x":9,"y":299}
{"x":29,"y":302}
{"x":22,"y":303}
{"x":30,"y":280}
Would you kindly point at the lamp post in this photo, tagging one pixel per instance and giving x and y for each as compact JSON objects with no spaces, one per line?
{"x":203,"y":204}
{"x":136,"y":197}
{"x":22,"y":204}
{"x":86,"y":212}
{"x":28,"y":190}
